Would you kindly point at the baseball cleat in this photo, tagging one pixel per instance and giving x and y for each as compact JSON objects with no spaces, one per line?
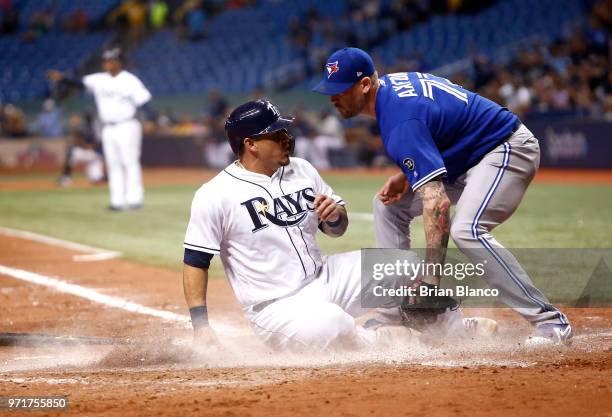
{"x":393,"y":335}
{"x":551,"y":334}
{"x":480,"y":326}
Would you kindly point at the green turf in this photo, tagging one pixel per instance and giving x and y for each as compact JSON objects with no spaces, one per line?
{"x":551,"y":216}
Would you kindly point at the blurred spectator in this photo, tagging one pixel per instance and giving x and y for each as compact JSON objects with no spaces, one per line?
{"x":130,"y":18}
{"x":217,"y":150}
{"x":158,"y":14}
{"x":49,"y":121}
{"x":77,"y":21}
{"x":330,"y":136}
{"x":483,"y":71}
{"x":9,"y":17}
{"x":558,"y":58}
{"x":165,"y":120}
{"x":238,"y":4}
{"x":5,"y":6}
{"x":191,"y":18}
{"x":43,"y":20}
{"x":304,"y":134}
{"x":371,"y":150}
{"x":407,"y":13}
{"x":40,"y":23}
{"x":570,"y":77}
{"x":217,"y":105}
{"x":258,"y":93}
{"x":607,"y":108}
{"x":85,"y":148}
{"x":1,"y":119}
{"x":14,"y":123}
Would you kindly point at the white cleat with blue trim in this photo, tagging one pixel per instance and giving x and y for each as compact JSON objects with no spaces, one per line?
{"x":551,"y":334}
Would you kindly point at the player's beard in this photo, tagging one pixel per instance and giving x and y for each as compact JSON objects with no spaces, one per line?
{"x":289,"y":149}
{"x":285,"y":160}
{"x":350,"y":108}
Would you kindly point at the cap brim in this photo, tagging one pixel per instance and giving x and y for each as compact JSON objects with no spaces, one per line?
{"x":331,"y":89}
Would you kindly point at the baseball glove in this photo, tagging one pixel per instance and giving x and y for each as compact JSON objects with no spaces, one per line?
{"x":426,"y":310}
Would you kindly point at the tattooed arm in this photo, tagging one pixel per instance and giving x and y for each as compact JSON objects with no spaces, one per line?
{"x":436,"y":219}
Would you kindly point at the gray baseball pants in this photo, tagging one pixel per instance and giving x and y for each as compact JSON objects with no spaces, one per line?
{"x":485,"y":197}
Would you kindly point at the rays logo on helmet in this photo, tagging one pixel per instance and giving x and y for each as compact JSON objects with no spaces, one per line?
{"x":272,"y":108}
{"x":332,"y":68}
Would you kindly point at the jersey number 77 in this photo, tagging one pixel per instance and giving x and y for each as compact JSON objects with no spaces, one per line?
{"x":428,"y":82}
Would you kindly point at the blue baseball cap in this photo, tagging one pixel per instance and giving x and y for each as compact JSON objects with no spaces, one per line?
{"x":343,"y":69}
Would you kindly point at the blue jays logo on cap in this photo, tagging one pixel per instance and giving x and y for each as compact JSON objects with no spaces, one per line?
{"x":347,"y":65}
{"x":332,"y":68}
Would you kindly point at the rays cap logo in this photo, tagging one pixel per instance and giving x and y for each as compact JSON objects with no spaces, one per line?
{"x":347,"y":65}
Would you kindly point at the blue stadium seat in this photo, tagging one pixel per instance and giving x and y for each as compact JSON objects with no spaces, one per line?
{"x":250,"y":47}
{"x":24,"y":63}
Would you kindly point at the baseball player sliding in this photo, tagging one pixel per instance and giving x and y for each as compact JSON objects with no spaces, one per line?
{"x":119,"y":95}
{"x":261,"y":215}
{"x":453,"y":147}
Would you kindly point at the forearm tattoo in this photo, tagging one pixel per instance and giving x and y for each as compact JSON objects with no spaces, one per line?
{"x":436,"y":219}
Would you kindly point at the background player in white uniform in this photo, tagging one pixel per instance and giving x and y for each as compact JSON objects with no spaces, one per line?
{"x":261,"y":215}
{"x":118,"y":94}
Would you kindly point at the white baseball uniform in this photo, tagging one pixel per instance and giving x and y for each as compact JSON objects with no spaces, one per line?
{"x":117,"y":100}
{"x":264,"y":230}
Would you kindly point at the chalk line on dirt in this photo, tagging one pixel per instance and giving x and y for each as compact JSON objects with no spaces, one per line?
{"x":106,"y":300}
{"x":92,"y":253}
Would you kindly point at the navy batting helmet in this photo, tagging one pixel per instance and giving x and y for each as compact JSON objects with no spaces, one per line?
{"x":252,"y":119}
{"x":112,"y":53}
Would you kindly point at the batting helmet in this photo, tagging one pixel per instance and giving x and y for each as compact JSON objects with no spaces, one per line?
{"x":252,"y":119}
{"x":113,"y":53}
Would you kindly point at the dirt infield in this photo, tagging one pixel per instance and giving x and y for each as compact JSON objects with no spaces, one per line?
{"x":15,"y":181}
{"x":153,"y":370}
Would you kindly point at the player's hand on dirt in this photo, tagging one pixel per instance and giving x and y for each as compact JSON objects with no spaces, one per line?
{"x":205,"y":340}
{"x":327,"y":209}
{"x":394,"y":189}
{"x":55,"y":75}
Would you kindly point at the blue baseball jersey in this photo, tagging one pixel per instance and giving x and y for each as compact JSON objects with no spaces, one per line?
{"x":432,"y":127}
